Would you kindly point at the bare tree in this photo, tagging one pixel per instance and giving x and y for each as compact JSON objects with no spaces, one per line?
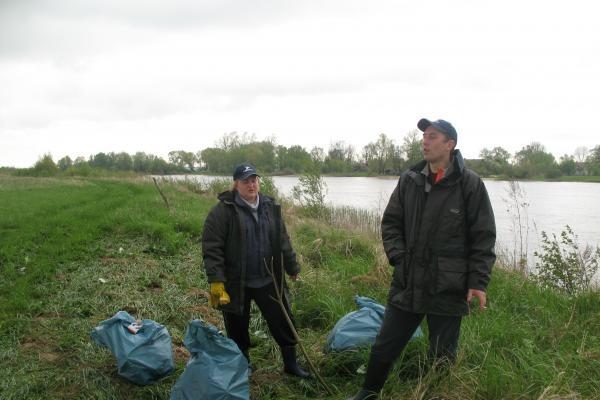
{"x":581,"y":153}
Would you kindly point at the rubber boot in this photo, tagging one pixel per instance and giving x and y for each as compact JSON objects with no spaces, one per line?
{"x":365,"y":395}
{"x":290,"y":363}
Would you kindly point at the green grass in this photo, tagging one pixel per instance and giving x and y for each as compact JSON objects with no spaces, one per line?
{"x":60,"y":239}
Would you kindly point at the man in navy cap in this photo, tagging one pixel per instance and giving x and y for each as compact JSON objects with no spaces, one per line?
{"x":246,"y":250}
{"x":439,"y":234}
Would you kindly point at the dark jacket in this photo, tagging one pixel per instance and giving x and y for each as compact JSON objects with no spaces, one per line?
{"x":440,"y":243}
{"x":225,"y":251}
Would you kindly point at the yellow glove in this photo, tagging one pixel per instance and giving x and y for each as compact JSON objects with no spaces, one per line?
{"x":218,"y":295}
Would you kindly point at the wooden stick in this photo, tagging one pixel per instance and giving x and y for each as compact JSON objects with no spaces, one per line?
{"x":161,"y":194}
{"x":279,"y":299}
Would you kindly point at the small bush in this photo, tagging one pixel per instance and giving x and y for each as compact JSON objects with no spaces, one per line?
{"x":310,"y":193}
{"x":563,"y":265}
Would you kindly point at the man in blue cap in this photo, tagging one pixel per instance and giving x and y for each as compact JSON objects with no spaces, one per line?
{"x":439,"y":234}
{"x":246,"y":252}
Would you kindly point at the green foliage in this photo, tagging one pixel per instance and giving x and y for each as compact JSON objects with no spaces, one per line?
{"x":380,"y":157}
{"x":219,"y":185}
{"x":185,"y":160}
{"x":563,"y":265}
{"x":532,"y":161}
{"x":45,"y":166}
{"x":331,"y":260}
{"x":494,"y":162}
{"x":267,"y":186}
{"x":567,"y":165}
{"x":234,"y":149}
{"x":383,"y":156}
{"x":293,"y":160}
{"x":310,"y":193}
{"x":412,"y":148}
{"x":65,"y":163}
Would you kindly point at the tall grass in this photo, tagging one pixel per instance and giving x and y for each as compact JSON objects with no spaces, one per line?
{"x":356,"y":219}
{"x":92,"y":247}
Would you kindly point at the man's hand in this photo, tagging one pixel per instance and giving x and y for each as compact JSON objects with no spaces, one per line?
{"x":218,"y":295}
{"x":481,"y":296}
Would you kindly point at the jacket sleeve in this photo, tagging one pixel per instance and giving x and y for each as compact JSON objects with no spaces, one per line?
{"x":213,"y":244}
{"x":481,"y":234}
{"x":392,"y":226}
{"x":289,"y":256}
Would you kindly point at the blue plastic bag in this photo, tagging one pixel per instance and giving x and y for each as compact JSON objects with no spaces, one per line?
{"x":358,"y":328}
{"x":143,"y":357}
{"x":217,"y":369}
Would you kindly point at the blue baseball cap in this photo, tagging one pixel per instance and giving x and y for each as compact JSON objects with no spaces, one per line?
{"x":441,"y":125}
{"x":243,"y":171}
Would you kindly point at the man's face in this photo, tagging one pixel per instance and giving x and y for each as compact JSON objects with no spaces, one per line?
{"x":436,"y":145}
{"x":248,"y":188}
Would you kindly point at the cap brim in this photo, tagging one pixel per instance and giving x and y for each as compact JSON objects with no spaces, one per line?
{"x":248,"y":175}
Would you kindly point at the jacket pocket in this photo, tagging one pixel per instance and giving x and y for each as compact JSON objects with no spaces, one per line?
{"x":452,"y":223}
{"x":451,"y":275}
{"x":400,"y":273}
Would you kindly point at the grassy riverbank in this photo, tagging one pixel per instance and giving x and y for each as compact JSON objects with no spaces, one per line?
{"x":75,"y":251}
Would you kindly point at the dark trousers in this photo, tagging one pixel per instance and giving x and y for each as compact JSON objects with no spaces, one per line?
{"x":398,"y":327}
{"x":237,"y":325}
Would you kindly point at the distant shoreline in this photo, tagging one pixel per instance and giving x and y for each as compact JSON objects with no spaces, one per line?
{"x":584,"y":179}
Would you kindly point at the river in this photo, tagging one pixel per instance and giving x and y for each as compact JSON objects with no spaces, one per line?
{"x":551,"y":205}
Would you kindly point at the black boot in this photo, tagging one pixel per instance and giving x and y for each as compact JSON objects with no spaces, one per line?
{"x":365,"y":395}
{"x":377,"y":373}
{"x":290,"y":363}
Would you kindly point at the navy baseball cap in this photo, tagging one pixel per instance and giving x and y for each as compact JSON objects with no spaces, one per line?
{"x":441,"y":125}
{"x":243,"y":171}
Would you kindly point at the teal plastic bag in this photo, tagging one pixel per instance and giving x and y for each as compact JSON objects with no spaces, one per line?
{"x":144,"y":352}
{"x":217,"y":369}
{"x":360,"y":327}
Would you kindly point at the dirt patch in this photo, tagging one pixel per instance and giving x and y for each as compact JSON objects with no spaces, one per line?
{"x":114,"y":261}
{"x":370,"y":280}
{"x":34,"y":343}
{"x":45,"y":316}
{"x":261,"y":378}
{"x":42,"y":348}
{"x":66,"y":392}
{"x":180,"y":353}
{"x":207,"y":313}
{"x":594,"y":355}
{"x":199,"y":293}
{"x":130,"y":309}
{"x":49,"y":357}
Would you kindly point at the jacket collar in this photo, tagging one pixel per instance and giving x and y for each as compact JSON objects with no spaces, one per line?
{"x":228,"y":197}
{"x":458,"y":166}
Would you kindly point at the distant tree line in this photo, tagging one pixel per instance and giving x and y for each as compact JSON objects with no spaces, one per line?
{"x":381,"y":157}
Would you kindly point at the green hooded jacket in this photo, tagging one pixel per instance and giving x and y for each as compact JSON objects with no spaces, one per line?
{"x":224,"y":247}
{"x":440,"y":243}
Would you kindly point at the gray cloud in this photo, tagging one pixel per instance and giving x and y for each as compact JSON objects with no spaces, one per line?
{"x":47,"y":28}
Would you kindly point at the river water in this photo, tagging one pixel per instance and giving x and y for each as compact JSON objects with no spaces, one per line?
{"x":551,"y":205}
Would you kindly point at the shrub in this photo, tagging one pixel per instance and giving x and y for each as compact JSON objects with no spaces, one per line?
{"x":310,"y":193}
{"x":563,"y":265}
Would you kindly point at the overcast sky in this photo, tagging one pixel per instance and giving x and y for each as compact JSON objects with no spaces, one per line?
{"x":78,"y":77}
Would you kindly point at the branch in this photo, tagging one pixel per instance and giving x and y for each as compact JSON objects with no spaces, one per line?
{"x":279,"y":293}
{"x":161,"y":194}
